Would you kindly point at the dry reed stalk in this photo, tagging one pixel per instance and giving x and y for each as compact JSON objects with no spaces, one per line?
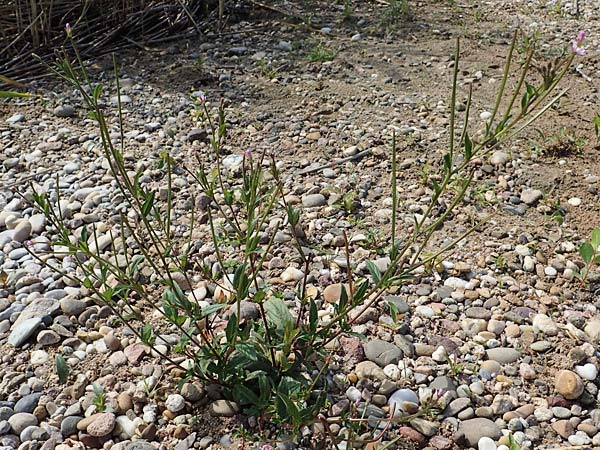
{"x":100,"y":26}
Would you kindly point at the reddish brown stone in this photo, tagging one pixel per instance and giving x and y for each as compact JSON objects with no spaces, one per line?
{"x":412,"y":434}
{"x":135,"y":352}
{"x":353,"y":348}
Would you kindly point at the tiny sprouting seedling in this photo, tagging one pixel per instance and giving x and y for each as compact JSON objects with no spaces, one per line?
{"x":395,"y":11}
{"x":321,"y":53}
{"x":589,"y":253}
{"x":565,"y":142}
{"x":99,"y":397}
{"x":199,"y":64}
{"x":501,"y":262}
{"x":267,"y":70}
{"x":558,"y":213}
{"x":348,"y":11}
{"x":597,"y":129}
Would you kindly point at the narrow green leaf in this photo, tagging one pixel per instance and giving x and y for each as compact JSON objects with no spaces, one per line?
{"x":231,"y":329}
{"x":436,"y":188}
{"x":97,"y":92}
{"x":313,"y":316}
{"x":447,"y":161}
{"x":148,"y":204}
{"x":596,"y":238}
{"x":62,"y":369}
{"x":211,"y":309}
{"x":147,"y":334}
{"x":374,"y":271}
{"x":468,"y":147}
{"x":10,"y":94}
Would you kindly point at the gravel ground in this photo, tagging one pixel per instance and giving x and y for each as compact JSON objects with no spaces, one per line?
{"x":501,"y":337}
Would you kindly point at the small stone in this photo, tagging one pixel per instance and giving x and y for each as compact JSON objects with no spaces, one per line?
{"x":382,"y":352}
{"x":587,"y":371}
{"x":175,"y":403}
{"x":117,"y":359}
{"x":224,"y":408}
{"x":574,"y":201}
{"x":443,"y":382}
{"x":592,"y":329}
{"x":531,"y":196}
{"x":192,"y":392}
{"x":456,"y":406}
{"x":486,"y":443}
{"x":102,"y":425}
{"x":424,"y":427}
{"x":124,"y":401}
{"x":72,"y":306}
{"x":503,"y":355}
{"x":368,"y":369}
{"x":22,"y":331}
{"x":401,"y":401}
{"x":135,"y":352}
{"x":68,"y":426}
{"x":15,"y":118}
{"x":22,"y":231}
{"x":197,"y":134}
{"x":20,"y":421}
{"x":541,"y":346}
{"x":569,"y":384}
{"x":48,"y":337}
{"x":125,"y":427}
{"x":28,"y":403}
{"x":544,"y":324}
{"x":472,"y":430}
{"x":149,"y":432}
{"x":499,"y":158}
{"x":38,"y":357}
{"x":561,"y":413}
{"x":564,"y":428}
{"x":140,"y":445}
{"x":182,"y":280}
{"x":292,"y":274}
{"x":313,"y":200}
{"x":64,"y":111}
{"x":238,"y":51}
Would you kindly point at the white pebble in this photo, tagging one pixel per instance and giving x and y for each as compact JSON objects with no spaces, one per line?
{"x":587,"y":371}
{"x":353,"y":394}
{"x":574,"y":201}
{"x":175,"y":403}
{"x":440,"y":354}
{"x":292,"y":274}
{"x":486,"y":443}
{"x":392,"y":372}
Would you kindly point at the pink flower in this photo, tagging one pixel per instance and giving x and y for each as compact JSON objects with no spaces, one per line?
{"x":69,"y":30}
{"x":248,"y":154}
{"x":576,"y":44}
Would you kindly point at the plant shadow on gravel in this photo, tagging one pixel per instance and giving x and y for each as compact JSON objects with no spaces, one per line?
{"x":270,"y":352}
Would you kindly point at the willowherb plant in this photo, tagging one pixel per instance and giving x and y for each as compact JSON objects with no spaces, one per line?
{"x":268,"y":354}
